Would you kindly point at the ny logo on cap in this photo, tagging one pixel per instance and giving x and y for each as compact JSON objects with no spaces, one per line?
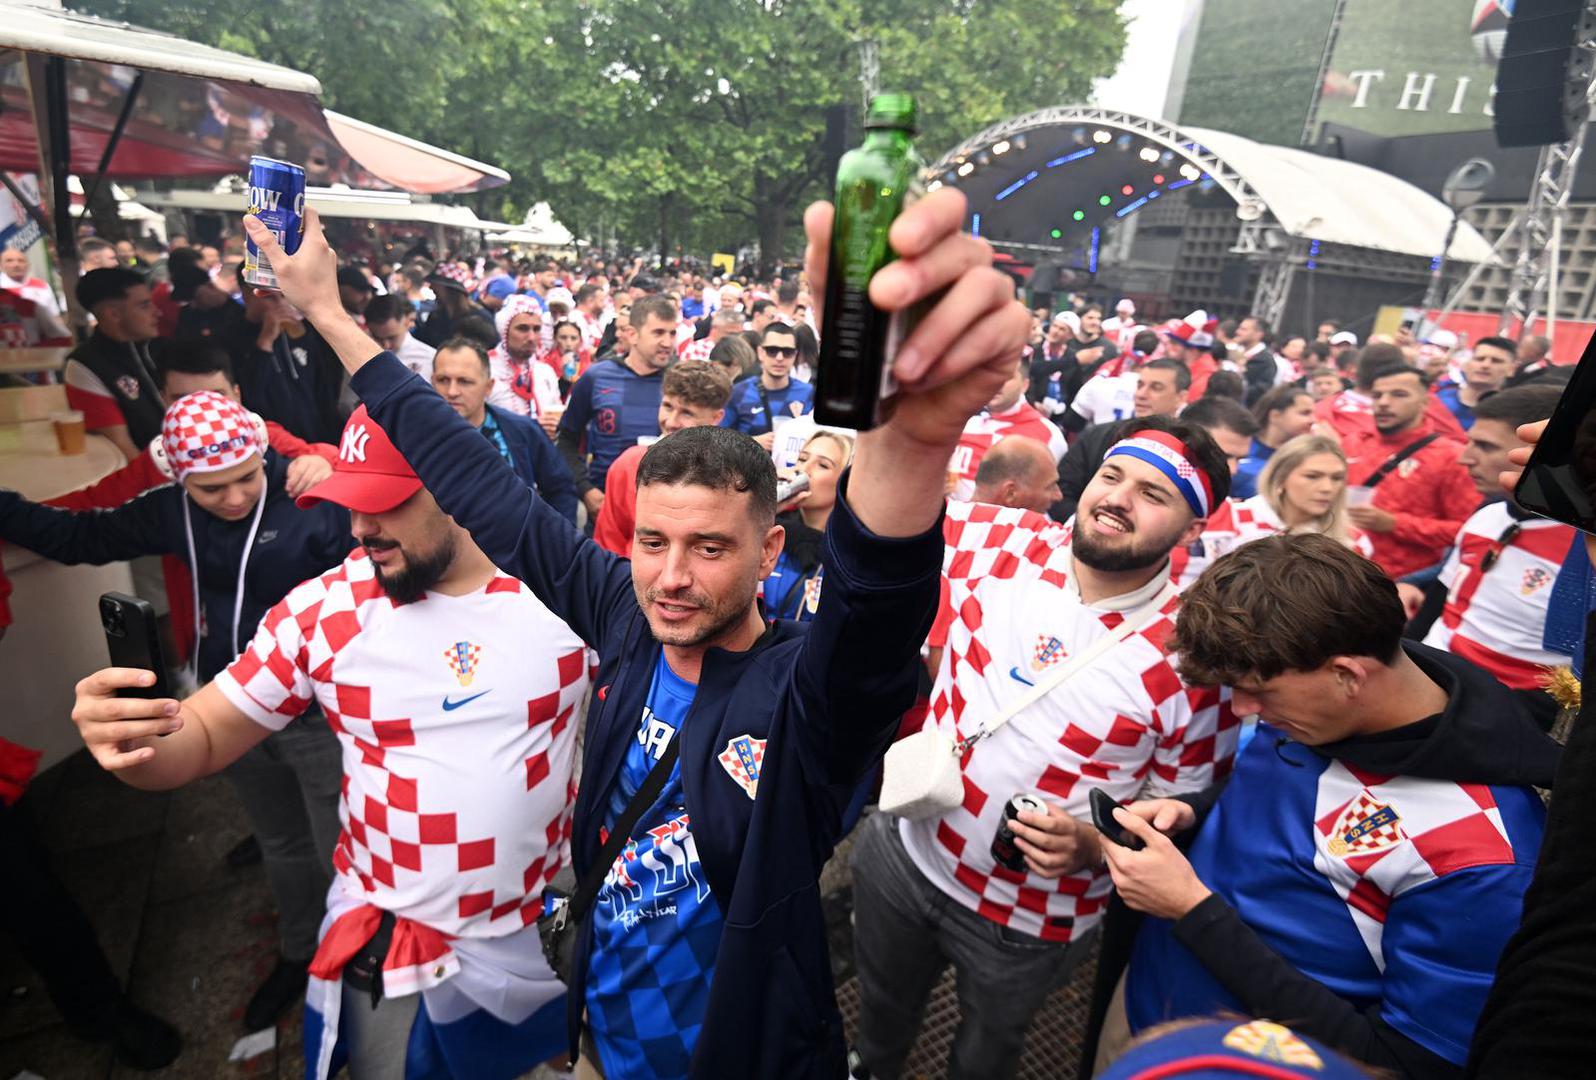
{"x":353,"y":445}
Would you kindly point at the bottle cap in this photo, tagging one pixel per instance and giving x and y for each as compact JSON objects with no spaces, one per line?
{"x":892,"y":111}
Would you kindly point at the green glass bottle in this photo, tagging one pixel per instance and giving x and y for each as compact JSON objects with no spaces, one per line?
{"x":874,"y":184}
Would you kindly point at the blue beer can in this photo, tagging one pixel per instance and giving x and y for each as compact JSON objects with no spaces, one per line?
{"x":277,"y":197}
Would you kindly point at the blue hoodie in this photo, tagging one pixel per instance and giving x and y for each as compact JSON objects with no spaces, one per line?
{"x":825,"y":697}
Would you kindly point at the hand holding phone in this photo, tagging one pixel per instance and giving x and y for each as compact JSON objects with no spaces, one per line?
{"x":1103,"y":807}
{"x":134,"y":641}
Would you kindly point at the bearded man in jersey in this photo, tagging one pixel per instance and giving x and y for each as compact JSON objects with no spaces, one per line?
{"x":1023,"y":596}
{"x":1364,"y":867}
{"x":705,"y":952}
{"x":452,"y":690}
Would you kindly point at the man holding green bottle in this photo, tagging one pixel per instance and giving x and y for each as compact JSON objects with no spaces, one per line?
{"x":705,"y":954}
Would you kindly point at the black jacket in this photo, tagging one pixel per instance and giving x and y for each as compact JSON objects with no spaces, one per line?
{"x":1537,"y":1020}
{"x":129,"y":374}
{"x":295,"y":383}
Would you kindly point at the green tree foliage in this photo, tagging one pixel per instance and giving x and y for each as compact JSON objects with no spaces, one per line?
{"x":692,"y":124}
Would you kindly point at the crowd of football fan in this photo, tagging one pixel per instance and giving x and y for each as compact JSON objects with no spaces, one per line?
{"x":1315,"y":637}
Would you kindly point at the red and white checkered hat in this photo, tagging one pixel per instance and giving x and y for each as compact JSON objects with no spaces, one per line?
{"x":451,"y":276}
{"x":1195,"y":331}
{"x":207,"y":432}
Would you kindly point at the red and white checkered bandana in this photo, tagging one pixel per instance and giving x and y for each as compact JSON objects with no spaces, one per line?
{"x":207,"y":432}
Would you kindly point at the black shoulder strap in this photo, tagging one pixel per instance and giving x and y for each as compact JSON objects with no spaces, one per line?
{"x":764,"y":399}
{"x":587,"y":889}
{"x":1399,"y":457}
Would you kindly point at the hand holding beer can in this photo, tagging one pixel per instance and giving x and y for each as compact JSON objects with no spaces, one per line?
{"x":1005,"y":852}
{"x":277,"y":198}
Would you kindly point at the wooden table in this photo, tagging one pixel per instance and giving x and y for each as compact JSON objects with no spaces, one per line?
{"x":55,"y":637}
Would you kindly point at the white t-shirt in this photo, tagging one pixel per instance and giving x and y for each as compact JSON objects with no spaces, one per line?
{"x":416,"y":355}
{"x":1106,"y":397}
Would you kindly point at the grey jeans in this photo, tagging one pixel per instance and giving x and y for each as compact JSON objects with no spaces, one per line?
{"x":906,"y":931}
{"x":289,"y":785}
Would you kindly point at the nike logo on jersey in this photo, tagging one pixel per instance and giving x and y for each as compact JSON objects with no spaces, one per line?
{"x":451,"y":706}
{"x":1014,"y":673}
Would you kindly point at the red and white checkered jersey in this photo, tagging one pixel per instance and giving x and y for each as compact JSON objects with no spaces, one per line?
{"x":1495,"y":615}
{"x":981,"y":431}
{"x":1128,"y":725}
{"x":695,"y":350}
{"x":1236,"y":522}
{"x":456,"y":718}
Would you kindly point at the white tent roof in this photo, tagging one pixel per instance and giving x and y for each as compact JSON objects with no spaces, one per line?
{"x":1341,"y":202}
{"x":1311,"y":196}
{"x":540,"y":229}
{"x":43,"y":27}
{"x":330,"y":202}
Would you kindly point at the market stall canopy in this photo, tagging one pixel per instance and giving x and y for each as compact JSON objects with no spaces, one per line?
{"x":174,"y":128}
{"x":409,"y":164}
{"x":177,"y":127}
{"x":332,"y":203}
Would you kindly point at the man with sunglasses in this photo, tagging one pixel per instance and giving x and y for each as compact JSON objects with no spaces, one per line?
{"x":760,"y":400}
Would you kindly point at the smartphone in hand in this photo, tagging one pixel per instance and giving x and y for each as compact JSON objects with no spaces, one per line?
{"x":133,"y":641}
{"x":1103,"y":807}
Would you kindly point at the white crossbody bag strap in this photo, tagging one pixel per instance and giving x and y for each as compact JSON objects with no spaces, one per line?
{"x":1056,"y":678}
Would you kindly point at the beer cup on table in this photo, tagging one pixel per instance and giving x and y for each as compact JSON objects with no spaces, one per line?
{"x":70,"y":431}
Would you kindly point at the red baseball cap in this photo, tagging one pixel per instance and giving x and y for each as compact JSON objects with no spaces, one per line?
{"x":370,"y":476}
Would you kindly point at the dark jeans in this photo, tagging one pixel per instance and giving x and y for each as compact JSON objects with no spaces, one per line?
{"x":906,"y":931}
{"x":289,"y":785}
{"x":49,"y":929}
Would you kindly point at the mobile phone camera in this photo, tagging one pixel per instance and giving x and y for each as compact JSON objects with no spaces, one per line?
{"x":112,"y":619}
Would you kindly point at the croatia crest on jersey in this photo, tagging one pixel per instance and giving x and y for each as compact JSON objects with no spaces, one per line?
{"x":1535,"y":579}
{"x":1047,"y":651}
{"x":1269,"y":1041}
{"x":742,"y":759}
{"x":1366,"y":826}
{"x":462,"y":659}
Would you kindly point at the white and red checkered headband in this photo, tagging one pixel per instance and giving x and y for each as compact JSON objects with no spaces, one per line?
{"x":207,"y":432}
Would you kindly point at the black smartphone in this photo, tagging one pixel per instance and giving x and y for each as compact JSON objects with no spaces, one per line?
{"x":134,"y":641}
{"x":1103,"y":807}
{"x":1560,"y":480}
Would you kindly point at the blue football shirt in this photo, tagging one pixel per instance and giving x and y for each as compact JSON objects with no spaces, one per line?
{"x":747,"y":410}
{"x":656,"y":928}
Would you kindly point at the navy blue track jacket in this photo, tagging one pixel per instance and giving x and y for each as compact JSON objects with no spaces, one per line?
{"x":827,"y":697}
{"x":537,"y":461}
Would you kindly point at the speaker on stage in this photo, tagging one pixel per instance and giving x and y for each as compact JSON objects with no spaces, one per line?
{"x":1542,"y":80}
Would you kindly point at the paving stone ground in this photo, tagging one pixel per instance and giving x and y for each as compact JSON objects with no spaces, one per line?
{"x":191,"y":938}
